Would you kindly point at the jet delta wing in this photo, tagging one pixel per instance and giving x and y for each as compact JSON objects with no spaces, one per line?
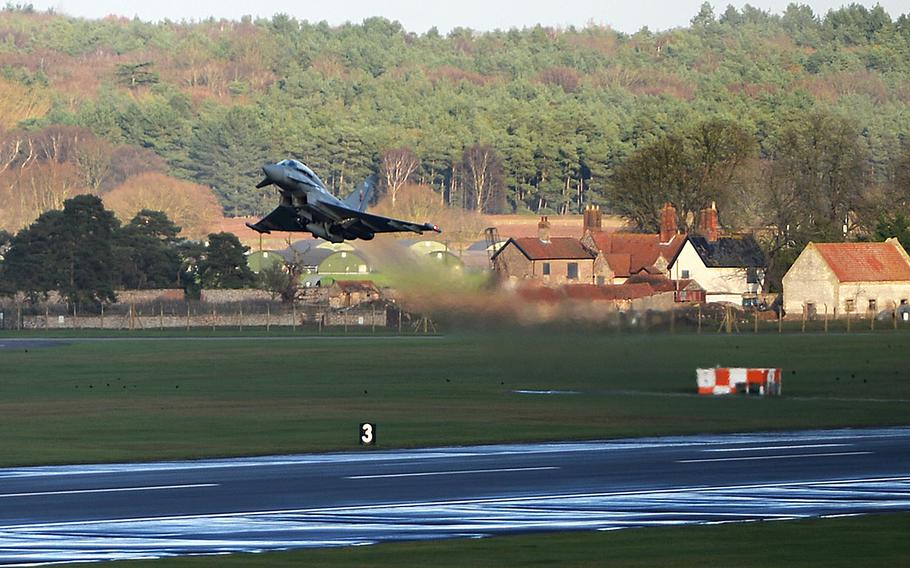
{"x":307,"y":206}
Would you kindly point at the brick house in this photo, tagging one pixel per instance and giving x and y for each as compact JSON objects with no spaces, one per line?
{"x":848,"y":278}
{"x":348,"y":293}
{"x":545,"y":260}
{"x":619,"y":255}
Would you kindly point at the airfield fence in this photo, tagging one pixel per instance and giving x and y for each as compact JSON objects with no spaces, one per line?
{"x":385,"y":316}
{"x":377,"y":316}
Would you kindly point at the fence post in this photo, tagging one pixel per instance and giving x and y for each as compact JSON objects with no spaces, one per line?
{"x":672,"y":320}
{"x":241,"y":316}
{"x":214,"y":317}
{"x":894,"y":317}
{"x":293,"y":316}
{"x":805,"y":309}
{"x":871,"y":320}
{"x":826,"y":318}
{"x":160,"y":316}
{"x":755,"y":323}
{"x":187,"y":316}
{"x":47,"y":316}
{"x":373,"y":318}
{"x":849,"y":317}
{"x":699,"y":319}
{"x":102,"y":316}
{"x":268,"y":318}
{"x":780,"y":319}
{"x":75,"y":320}
{"x":131,"y":317}
{"x":19,"y":316}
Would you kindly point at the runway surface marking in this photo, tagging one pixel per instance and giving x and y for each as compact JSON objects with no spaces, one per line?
{"x":834,"y":483}
{"x":777,"y":457}
{"x":458,"y":472}
{"x":504,"y":450}
{"x":110,"y":490}
{"x":763,"y":448}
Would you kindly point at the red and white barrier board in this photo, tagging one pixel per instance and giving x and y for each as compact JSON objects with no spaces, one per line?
{"x":730,"y":380}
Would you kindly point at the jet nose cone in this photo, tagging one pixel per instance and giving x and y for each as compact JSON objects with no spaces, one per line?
{"x":272,"y":171}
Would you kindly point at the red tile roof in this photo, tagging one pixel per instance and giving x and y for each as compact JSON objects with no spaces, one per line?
{"x":557,"y":248}
{"x":865,"y":262}
{"x":642,"y":250}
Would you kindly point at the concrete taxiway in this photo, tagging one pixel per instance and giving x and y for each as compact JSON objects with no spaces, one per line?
{"x":96,"y":512}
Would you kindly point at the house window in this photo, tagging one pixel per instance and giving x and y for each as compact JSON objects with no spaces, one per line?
{"x":903,"y":301}
{"x":546,"y":269}
{"x":752,"y":276}
{"x":601,"y":280}
{"x":850,"y":306}
{"x":362,"y":268}
{"x":685,"y":273}
{"x":572,"y":271}
{"x":872,"y":305}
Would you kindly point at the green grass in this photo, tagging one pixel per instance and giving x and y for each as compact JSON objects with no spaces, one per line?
{"x":142,"y":400}
{"x":878,"y":540}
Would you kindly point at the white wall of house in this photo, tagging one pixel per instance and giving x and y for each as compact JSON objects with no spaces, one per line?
{"x":724,"y":284}
{"x":810,"y":281}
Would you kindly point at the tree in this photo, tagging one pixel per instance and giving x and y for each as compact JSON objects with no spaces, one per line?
{"x":395,"y":168}
{"x":69,"y":251}
{"x":690,"y":170}
{"x":192,"y":206}
{"x":481,"y":167}
{"x":224,"y":263}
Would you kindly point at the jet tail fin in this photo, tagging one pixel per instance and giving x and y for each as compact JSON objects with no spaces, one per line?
{"x":360,"y":198}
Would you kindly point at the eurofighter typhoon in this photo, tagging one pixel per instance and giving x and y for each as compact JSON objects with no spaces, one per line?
{"x":307,"y":206}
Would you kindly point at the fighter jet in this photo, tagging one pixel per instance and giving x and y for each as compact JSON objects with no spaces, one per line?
{"x":306,"y":205}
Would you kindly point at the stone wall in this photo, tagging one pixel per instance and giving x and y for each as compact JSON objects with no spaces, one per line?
{"x":234,"y":296}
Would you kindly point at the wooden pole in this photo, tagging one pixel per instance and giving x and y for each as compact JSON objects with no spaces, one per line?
{"x":373,"y":318}
{"x":294,"y":316}
{"x":699,"y":319}
{"x":826,"y":318}
{"x":849,"y":317}
{"x":187,"y":316}
{"x":102,"y":316}
{"x":780,"y":319}
{"x":755,"y":322}
{"x":672,"y":320}
{"x":268,"y":317}
{"x":241,"y":316}
{"x":47,"y":316}
{"x":131,"y":317}
{"x":805,"y":309}
{"x":160,"y":315}
{"x":19,"y":317}
{"x":871,"y":320}
{"x":214,"y":317}
{"x":894,"y":317}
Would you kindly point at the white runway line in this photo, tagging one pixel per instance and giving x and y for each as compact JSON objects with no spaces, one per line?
{"x":110,"y":490}
{"x":779,"y":457}
{"x":762,"y":448}
{"x":458,"y":472}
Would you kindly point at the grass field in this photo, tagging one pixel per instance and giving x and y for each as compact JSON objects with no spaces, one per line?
{"x":879,"y":540}
{"x":180,"y":398}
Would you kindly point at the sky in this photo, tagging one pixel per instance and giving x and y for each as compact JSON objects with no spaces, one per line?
{"x":420,"y":15}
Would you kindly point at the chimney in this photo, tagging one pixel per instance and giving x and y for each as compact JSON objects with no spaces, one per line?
{"x":543,"y":230}
{"x":707,"y":223}
{"x":668,"y":227}
{"x":593,"y":220}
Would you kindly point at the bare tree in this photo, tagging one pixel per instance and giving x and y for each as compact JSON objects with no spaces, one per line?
{"x":395,"y":167}
{"x":482,"y":169}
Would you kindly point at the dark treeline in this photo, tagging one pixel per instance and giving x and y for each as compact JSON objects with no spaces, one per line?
{"x":83,"y":252}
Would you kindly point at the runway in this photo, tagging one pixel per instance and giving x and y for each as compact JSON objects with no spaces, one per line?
{"x":118,"y":511}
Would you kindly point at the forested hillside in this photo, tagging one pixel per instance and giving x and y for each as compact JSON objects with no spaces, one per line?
{"x":542,"y":120}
